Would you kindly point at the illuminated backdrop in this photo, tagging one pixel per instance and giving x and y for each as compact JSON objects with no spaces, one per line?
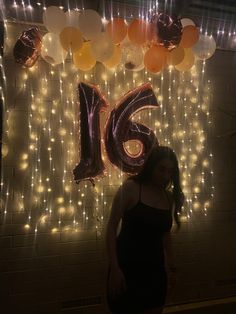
{"x":41,"y":139}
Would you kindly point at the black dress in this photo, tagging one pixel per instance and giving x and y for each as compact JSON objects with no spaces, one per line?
{"x":140,"y":255}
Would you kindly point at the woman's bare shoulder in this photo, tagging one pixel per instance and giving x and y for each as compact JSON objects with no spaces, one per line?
{"x":129,"y":191}
{"x":130,"y":185}
{"x":170,"y":195}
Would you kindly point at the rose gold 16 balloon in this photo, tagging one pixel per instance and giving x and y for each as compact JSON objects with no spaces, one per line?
{"x":119,"y":129}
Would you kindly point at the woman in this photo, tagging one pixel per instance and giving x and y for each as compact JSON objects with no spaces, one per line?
{"x":141,"y":256}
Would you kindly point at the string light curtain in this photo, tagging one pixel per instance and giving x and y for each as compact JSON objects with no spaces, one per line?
{"x":41,"y":138}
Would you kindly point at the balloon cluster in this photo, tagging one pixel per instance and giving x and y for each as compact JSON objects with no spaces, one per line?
{"x":153,"y":44}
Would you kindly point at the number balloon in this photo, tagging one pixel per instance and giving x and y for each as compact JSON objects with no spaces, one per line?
{"x":120,"y":129}
{"x":91,"y":103}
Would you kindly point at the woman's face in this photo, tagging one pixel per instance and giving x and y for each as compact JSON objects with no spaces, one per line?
{"x":163,"y":173}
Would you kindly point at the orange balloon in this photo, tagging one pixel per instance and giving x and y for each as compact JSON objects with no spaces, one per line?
{"x":187,"y":62}
{"x":190,"y":36}
{"x":175,"y":56}
{"x":117,"y":30}
{"x":83,"y":58}
{"x":137,"y":31}
{"x":115,"y":59}
{"x":71,"y":38}
{"x":155,"y":58}
{"x":152,"y":33}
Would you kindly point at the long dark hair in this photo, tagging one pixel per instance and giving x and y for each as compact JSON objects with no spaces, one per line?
{"x":157,"y":154}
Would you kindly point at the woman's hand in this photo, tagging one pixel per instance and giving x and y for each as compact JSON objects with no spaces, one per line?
{"x":116,"y":282}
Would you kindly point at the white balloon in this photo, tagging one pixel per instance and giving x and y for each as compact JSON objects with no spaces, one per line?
{"x":102,"y":47}
{"x":72,"y":18}
{"x":90,"y":23}
{"x":204,"y":48}
{"x":132,"y":56}
{"x":52,"y":51}
{"x":142,"y":65}
{"x":54,"y":19}
{"x":186,"y":22}
{"x":139,"y":68}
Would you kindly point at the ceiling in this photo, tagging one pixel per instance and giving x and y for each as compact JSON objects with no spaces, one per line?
{"x":217,"y":9}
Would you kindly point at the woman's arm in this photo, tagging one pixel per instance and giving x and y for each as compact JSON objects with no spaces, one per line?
{"x":122,"y":200}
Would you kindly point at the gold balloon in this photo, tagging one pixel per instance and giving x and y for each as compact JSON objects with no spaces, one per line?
{"x":190,"y":36}
{"x":138,"y":31}
{"x":175,"y":56}
{"x":117,"y":30}
{"x":83,"y":58}
{"x":155,"y":58}
{"x":115,"y":59}
{"x":187,"y":62}
{"x":71,"y":39}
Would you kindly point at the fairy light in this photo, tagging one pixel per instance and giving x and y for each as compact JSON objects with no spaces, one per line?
{"x":15,"y":5}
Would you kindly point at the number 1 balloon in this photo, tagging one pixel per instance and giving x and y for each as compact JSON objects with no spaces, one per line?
{"x":91,"y":103}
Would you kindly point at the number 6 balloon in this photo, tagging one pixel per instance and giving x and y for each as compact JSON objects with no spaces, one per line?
{"x":120,"y":129}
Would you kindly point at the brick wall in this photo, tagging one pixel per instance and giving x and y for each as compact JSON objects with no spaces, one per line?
{"x":205,"y":247}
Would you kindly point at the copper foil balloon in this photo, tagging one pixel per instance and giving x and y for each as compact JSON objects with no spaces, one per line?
{"x":120,"y":129}
{"x":169,"y":30}
{"x":28,"y":47}
{"x":91,"y":103}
